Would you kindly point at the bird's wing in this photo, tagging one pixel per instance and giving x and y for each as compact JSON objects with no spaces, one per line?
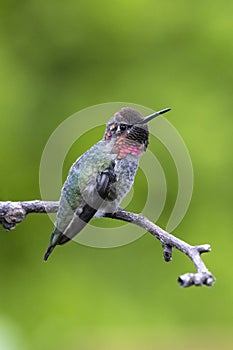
{"x":75,"y":219}
{"x":100,"y":192}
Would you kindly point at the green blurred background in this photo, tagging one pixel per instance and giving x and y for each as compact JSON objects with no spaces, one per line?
{"x":60,"y":57}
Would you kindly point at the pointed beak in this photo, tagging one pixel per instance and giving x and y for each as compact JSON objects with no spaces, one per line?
{"x":154,"y":115}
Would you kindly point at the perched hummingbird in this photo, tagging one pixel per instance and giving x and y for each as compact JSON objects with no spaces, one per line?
{"x":102,"y":176}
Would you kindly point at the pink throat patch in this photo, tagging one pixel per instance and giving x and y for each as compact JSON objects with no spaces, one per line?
{"x":129,"y":149}
{"x":124,"y":147}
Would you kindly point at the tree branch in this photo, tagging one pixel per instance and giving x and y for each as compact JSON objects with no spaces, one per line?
{"x":12,"y":213}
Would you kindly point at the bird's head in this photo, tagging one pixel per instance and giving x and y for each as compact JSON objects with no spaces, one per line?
{"x":129,"y":124}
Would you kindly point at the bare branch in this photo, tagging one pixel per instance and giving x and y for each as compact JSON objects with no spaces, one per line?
{"x":12,"y":213}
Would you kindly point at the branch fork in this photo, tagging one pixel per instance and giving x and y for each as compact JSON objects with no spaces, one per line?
{"x":12,"y":213}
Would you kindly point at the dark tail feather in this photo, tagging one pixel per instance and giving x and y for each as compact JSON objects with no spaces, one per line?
{"x":48,"y":252}
{"x":77,"y":223}
{"x":64,"y":239}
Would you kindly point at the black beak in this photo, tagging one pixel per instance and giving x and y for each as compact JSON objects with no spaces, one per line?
{"x":154,"y":115}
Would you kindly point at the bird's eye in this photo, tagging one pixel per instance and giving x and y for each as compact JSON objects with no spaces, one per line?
{"x":123,"y":127}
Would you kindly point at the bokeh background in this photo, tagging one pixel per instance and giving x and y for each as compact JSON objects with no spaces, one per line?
{"x":60,"y":57}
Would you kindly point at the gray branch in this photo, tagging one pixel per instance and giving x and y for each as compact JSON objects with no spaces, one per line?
{"x":12,"y":213}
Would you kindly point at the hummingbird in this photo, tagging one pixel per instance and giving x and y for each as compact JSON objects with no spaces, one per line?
{"x":99,"y":179}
